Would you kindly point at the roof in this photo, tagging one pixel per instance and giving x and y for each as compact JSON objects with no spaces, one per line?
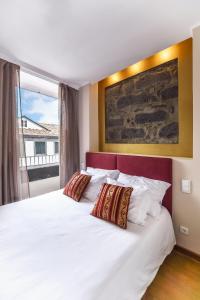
{"x":47,"y":130}
{"x":42,"y":125}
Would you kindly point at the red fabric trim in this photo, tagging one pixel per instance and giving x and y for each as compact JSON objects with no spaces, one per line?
{"x":112,"y":204}
{"x":76,"y":186}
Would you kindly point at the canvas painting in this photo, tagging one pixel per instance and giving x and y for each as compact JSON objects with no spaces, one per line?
{"x":143,"y":109}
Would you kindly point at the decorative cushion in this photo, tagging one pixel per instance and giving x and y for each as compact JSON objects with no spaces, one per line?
{"x":76,"y":186}
{"x":112,"y":204}
{"x":140,"y":202}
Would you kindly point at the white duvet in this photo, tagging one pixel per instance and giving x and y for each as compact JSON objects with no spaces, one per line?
{"x":52,"y":249}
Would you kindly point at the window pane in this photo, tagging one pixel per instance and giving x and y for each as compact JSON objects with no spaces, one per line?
{"x":24,"y":123}
{"x":56,"y":147}
{"x":40,"y":148}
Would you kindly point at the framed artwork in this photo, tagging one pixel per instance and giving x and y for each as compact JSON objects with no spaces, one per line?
{"x":147,"y":108}
{"x":143,"y":109}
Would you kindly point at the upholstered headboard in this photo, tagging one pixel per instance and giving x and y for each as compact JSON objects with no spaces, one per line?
{"x":151,"y":167}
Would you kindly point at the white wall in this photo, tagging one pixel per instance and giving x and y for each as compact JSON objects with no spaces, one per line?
{"x":186,"y":207}
{"x":29,"y":148}
{"x":50,"y":148}
{"x":88,"y":120}
{"x":84,"y":128}
{"x":31,"y":125}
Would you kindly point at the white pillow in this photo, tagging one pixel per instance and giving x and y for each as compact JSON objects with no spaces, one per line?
{"x":109,"y":173}
{"x":140,"y":202}
{"x":155,"y":209}
{"x":92,"y":190}
{"x":125,"y":178}
{"x":157,"y":188}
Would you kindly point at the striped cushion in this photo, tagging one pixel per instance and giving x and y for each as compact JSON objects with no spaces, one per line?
{"x":76,"y":186}
{"x":112,"y":204}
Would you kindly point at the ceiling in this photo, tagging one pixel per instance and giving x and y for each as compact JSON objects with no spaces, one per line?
{"x":82,"y":41}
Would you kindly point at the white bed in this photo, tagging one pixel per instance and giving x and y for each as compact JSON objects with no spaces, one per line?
{"x":51,"y":248}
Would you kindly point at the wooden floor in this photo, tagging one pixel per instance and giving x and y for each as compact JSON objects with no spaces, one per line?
{"x":177,"y":279}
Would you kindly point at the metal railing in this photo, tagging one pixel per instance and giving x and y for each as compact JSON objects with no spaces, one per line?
{"x":39,"y":160}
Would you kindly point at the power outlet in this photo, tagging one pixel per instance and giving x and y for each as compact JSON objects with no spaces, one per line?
{"x":184,"y":230}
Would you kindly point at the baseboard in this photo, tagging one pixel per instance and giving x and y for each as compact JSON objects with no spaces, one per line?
{"x":187,"y":252}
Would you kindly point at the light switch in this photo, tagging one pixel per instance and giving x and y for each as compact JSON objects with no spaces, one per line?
{"x":186,"y":186}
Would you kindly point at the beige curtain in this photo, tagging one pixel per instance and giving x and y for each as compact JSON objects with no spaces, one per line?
{"x":13,"y":178}
{"x":69,"y":138}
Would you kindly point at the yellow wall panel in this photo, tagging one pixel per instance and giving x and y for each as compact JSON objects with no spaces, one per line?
{"x":182,"y":51}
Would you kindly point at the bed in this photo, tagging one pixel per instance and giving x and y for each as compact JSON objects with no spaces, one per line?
{"x":52,"y":248}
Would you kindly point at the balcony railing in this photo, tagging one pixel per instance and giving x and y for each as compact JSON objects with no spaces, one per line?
{"x":39,"y":160}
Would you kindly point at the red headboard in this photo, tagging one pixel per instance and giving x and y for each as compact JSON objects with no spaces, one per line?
{"x":151,"y":167}
{"x":101,"y":160}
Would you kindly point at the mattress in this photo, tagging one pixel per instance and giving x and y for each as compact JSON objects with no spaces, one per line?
{"x":52,"y":248}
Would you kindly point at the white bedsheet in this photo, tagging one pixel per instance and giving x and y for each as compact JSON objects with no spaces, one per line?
{"x":52,"y":249}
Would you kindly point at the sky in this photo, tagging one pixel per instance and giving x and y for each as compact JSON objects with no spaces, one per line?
{"x":39,"y":107}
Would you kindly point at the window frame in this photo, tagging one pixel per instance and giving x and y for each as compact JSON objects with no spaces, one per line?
{"x":56,"y":142}
{"x":40,"y":154}
{"x":24,"y":123}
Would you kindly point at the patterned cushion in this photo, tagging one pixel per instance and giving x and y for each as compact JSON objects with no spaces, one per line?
{"x":112,"y":204}
{"x":76,"y":186}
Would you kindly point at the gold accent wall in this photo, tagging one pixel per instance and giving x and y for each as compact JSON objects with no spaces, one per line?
{"x":182,"y":51}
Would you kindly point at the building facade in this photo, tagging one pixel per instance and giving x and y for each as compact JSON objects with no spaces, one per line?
{"x":41,"y":149}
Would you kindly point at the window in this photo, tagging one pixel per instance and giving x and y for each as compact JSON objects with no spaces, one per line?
{"x":39,"y":107}
{"x":40,"y":148}
{"x":56,"y":147}
{"x":24,"y":123}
